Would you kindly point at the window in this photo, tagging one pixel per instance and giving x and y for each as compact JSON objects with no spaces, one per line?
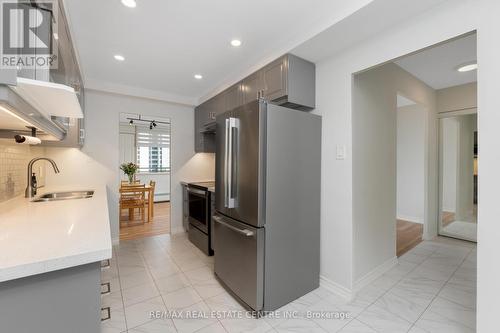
{"x":153,"y":149}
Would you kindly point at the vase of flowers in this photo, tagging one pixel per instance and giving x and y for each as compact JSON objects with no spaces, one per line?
{"x":130,"y":169}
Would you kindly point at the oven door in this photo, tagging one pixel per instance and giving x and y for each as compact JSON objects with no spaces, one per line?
{"x":198,"y":208}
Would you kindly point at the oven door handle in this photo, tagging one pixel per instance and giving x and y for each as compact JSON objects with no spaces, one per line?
{"x":196,"y":191}
{"x":244,"y":232}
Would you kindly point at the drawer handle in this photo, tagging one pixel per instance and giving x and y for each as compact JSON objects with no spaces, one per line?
{"x":108,"y":313}
{"x":107,"y":287}
{"x":245,"y":232}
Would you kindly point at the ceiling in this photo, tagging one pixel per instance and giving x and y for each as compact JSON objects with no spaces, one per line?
{"x":437,"y":66}
{"x":166,"y":42}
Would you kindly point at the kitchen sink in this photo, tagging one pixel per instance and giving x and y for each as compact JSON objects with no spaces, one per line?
{"x":68,"y":195}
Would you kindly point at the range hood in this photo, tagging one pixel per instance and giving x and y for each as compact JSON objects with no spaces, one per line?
{"x":33,"y":103}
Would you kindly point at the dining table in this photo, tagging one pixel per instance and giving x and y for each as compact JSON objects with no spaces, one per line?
{"x":147,"y":189}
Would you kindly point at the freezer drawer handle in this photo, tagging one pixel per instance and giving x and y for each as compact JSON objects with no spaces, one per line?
{"x":245,"y":232}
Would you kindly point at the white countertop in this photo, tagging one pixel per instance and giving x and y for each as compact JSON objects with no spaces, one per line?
{"x":40,"y":237}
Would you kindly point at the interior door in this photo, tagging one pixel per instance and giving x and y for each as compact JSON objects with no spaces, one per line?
{"x":237,"y":169}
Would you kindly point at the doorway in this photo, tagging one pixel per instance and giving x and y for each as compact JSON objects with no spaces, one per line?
{"x":411,"y":173}
{"x":144,"y":187}
{"x":458,"y":156}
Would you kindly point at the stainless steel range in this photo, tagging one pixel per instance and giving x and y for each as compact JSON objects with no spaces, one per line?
{"x":200,"y":209}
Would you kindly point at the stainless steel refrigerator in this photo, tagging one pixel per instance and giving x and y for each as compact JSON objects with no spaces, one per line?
{"x":267,"y":222}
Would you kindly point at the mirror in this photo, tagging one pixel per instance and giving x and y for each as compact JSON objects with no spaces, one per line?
{"x":144,"y":176}
{"x":458,"y":170}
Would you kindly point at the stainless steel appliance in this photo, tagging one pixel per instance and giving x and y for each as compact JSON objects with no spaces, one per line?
{"x":267,"y":222}
{"x":200,"y":212}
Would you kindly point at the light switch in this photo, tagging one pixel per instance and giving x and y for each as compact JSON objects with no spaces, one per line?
{"x":340,"y":152}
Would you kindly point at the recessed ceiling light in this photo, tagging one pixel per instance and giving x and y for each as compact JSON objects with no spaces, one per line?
{"x":119,"y":57}
{"x":467,"y":67}
{"x":129,"y":3}
{"x":236,"y":42}
{"x":198,"y":76}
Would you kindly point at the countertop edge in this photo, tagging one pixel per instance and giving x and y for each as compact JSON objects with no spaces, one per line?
{"x":51,"y":265}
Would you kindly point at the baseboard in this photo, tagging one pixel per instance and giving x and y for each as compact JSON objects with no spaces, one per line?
{"x":375,"y":274}
{"x":413,"y":219}
{"x":335,"y":288}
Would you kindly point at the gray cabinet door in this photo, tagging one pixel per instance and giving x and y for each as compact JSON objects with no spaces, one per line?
{"x":274,"y":76}
{"x":203,"y":142}
{"x":251,"y":87}
{"x":233,"y":97}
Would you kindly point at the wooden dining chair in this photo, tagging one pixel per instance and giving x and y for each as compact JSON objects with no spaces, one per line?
{"x":132,"y":197}
{"x":152,"y":184}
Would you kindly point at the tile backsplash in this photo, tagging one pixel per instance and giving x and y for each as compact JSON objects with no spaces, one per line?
{"x":14,"y":160}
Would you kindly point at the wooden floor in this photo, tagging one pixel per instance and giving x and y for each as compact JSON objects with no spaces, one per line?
{"x":409,"y":234}
{"x":158,"y":226}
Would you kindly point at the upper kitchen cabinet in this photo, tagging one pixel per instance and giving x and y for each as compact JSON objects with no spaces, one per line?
{"x":232,"y":97}
{"x":290,"y":81}
{"x":252,"y":87}
{"x":204,"y":135}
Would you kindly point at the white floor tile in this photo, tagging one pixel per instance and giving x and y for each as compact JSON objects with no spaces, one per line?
{"x":181,"y":298}
{"x":155,"y":326}
{"x":453,"y":311}
{"x":172,"y":266}
{"x":383,"y":321}
{"x":189,"y":325}
{"x":434,"y":323}
{"x":140,"y":313}
{"x":135,"y":279}
{"x":355,"y":326}
{"x":139,"y":293}
{"x":299,"y":326}
{"x":213,"y":328}
{"x":172,"y":283}
{"x":460,"y":294}
{"x":237,"y":325}
{"x":408,"y":308}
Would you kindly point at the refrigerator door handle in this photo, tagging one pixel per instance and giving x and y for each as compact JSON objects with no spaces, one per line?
{"x":232,"y":161}
{"x":226,"y":159}
{"x":245,"y":232}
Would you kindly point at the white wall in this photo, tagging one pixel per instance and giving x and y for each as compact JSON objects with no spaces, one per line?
{"x":411,"y":140}
{"x":333,"y":78}
{"x":488,"y":274}
{"x":98,"y":161}
{"x":334,"y":103}
{"x":374,"y":149}
{"x":457,"y":98}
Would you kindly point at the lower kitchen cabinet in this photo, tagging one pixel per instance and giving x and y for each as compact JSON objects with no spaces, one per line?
{"x":67,"y":300}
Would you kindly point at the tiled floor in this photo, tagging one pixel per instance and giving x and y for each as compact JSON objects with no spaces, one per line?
{"x":432,"y":289}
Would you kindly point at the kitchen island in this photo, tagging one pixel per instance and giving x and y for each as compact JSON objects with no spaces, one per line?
{"x":50,"y":258}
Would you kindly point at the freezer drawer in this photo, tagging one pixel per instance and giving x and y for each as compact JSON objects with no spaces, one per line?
{"x":239,"y":259}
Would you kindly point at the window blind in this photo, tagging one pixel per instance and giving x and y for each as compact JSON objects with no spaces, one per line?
{"x":153,"y":149}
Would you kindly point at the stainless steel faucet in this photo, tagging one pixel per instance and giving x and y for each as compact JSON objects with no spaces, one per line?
{"x":30,"y":189}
